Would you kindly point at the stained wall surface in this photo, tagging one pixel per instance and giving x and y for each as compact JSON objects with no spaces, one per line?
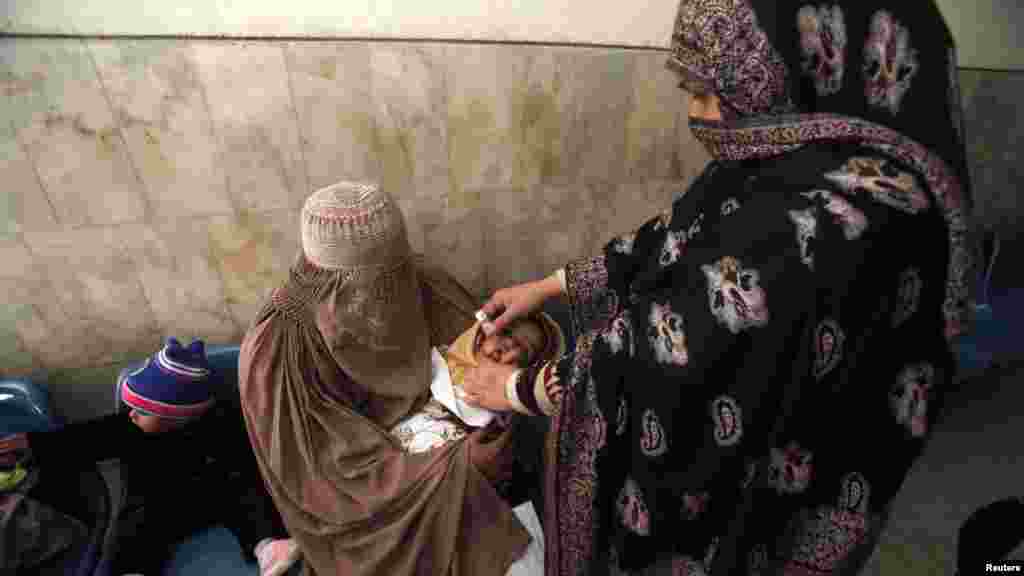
{"x":152,"y":187}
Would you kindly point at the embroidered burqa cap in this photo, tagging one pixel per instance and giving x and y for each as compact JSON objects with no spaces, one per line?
{"x":353,"y":226}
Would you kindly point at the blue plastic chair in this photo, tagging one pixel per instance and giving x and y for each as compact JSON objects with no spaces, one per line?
{"x":24,"y":407}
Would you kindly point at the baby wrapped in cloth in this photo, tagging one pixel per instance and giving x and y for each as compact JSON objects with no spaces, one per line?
{"x":446,"y":418}
{"x":528,"y":341}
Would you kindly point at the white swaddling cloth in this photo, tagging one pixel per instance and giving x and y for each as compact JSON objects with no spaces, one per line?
{"x":428,"y":431}
{"x":532,"y":562}
{"x":443,"y":389}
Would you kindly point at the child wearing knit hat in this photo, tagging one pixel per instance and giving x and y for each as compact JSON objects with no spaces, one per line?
{"x":184,"y":449}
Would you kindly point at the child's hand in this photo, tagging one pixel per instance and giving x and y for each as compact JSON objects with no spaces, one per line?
{"x":12,"y":448}
{"x":484,"y":385}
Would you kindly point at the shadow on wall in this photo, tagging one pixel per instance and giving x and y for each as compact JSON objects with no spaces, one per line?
{"x":159,"y":181}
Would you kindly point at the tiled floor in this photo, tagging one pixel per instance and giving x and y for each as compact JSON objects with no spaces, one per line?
{"x":974,"y":458}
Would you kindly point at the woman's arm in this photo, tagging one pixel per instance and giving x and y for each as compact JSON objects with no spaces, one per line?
{"x":508,"y":304}
{"x":501,"y":387}
{"x":535,"y":391}
{"x":594,"y":286}
{"x":597,"y":286}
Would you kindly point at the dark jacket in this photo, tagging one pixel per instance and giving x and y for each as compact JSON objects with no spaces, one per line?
{"x":214,"y":448}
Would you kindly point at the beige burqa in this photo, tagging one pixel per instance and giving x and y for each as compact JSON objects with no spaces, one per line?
{"x":339,"y":355}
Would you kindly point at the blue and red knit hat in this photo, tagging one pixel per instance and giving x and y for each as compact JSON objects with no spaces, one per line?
{"x":174,"y":383}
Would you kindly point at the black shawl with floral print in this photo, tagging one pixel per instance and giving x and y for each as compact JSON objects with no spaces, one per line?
{"x":757,"y":368}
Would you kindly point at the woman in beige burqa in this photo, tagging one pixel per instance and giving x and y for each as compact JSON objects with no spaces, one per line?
{"x":337,"y":357}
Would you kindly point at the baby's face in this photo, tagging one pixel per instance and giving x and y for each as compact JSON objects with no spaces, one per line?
{"x":517,"y":344}
{"x":151,"y":424}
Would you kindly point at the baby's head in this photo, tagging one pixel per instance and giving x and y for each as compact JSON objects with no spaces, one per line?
{"x":519,"y":344}
{"x":171,"y":389}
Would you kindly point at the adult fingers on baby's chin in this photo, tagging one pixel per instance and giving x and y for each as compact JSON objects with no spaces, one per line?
{"x":493,"y":305}
{"x":496,"y":324}
{"x":501,"y":322}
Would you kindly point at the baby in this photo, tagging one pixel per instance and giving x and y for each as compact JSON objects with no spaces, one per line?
{"x":446,"y":418}
{"x":521,"y":343}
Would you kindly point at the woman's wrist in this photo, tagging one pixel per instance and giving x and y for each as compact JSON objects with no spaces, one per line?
{"x":511,"y":394}
{"x":525,"y":391}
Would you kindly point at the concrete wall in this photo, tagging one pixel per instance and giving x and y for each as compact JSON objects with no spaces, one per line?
{"x":151,"y":187}
{"x":564,"y":21}
{"x":994,"y":108}
{"x":986,"y":30}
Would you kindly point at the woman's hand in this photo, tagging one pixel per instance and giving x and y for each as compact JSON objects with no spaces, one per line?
{"x":518,"y":301}
{"x":484,"y":386}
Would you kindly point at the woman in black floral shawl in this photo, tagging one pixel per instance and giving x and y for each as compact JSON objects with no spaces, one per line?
{"x":757,"y":368}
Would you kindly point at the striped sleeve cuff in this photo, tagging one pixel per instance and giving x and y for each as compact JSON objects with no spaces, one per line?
{"x":512,"y":395}
{"x":535,"y":391}
{"x":547,"y":389}
{"x":526,"y":393}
